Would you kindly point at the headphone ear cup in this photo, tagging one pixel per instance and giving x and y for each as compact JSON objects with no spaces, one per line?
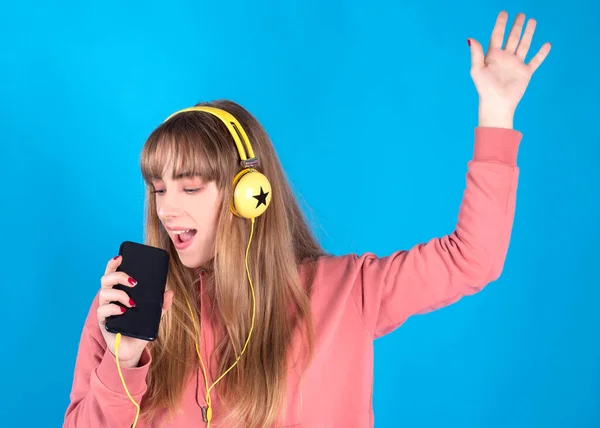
{"x":251,"y":194}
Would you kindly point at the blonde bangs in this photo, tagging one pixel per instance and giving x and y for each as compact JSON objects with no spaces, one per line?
{"x":186,"y":146}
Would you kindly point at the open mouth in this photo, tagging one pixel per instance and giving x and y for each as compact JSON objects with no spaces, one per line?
{"x":183,"y":238}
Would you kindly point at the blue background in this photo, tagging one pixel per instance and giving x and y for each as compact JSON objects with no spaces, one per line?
{"x":357,"y":96}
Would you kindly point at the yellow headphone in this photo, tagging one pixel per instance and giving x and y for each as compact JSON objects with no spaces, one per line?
{"x":251,"y":189}
{"x":251,"y":197}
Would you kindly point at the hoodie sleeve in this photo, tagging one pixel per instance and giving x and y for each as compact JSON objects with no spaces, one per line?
{"x":97,"y":397}
{"x":439,"y":272}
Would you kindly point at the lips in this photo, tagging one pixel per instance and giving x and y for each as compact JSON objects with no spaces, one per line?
{"x":177,"y":228}
{"x":182,"y":239}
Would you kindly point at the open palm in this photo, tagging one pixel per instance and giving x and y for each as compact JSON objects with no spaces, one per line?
{"x":502,"y":76}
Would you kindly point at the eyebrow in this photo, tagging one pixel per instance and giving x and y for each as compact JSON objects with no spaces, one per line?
{"x":186,"y":174}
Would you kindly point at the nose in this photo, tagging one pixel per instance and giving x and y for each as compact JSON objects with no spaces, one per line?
{"x":167,"y":206}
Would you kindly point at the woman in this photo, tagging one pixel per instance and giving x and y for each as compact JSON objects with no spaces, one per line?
{"x":277,"y":333}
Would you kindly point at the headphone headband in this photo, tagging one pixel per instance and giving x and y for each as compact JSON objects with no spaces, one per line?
{"x":251,"y":190}
{"x":235,"y":129}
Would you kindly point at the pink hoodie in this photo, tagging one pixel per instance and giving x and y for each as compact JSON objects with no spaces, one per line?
{"x":356,"y":299}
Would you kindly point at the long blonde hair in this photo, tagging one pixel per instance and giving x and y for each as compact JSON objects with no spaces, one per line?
{"x":254,"y":391}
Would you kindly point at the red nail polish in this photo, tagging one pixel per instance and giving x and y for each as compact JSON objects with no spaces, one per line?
{"x":469,"y":42}
{"x":131,"y":302}
{"x":132,"y":281}
{"x":122,"y":309}
{"x":116,"y":257}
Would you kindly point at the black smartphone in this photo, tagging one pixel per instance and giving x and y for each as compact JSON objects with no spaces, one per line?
{"x":149,"y":266}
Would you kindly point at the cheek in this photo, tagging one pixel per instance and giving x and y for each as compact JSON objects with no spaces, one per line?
{"x":207,"y":219}
{"x":207,"y":211}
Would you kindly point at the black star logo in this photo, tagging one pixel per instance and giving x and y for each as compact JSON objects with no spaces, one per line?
{"x":261,"y":198}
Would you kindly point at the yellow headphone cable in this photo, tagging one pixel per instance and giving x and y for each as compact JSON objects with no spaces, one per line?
{"x":246,"y":185}
{"x":207,"y":413}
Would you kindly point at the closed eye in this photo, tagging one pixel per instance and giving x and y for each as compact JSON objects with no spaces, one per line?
{"x":192,"y":191}
{"x":188,"y":191}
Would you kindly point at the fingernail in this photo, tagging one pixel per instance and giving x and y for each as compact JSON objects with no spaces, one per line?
{"x":469,"y":42}
{"x":132,"y":281}
{"x":131,"y":302}
{"x":116,"y":257}
{"x":122,"y":309}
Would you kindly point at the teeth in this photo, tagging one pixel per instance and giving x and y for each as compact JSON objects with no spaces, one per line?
{"x":179,"y":232}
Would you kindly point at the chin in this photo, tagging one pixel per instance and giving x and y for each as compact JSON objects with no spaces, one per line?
{"x":193,"y":261}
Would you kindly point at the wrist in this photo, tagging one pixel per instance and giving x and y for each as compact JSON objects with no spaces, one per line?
{"x":134,"y":377}
{"x":492,"y":116}
{"x":130,"y":364}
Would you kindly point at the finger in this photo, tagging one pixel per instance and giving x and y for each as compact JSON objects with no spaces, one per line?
{"x":113,"y":264}
{"x":477,"y":57}
{"x":498,"y":31}
{"x":108,"y":295}
{"x":167,"y":301}
{"x":515,"y":33}
{"x":537,"y":60}
{"x":526,"y":40}
{"x":105,"y":311}
{"x":114,"y":278}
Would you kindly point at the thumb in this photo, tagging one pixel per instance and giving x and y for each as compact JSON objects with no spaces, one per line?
{"x":477,"y":57}
{"x":167,"y":301}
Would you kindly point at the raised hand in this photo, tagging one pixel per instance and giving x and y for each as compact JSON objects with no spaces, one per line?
{"x":502,"y":76}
